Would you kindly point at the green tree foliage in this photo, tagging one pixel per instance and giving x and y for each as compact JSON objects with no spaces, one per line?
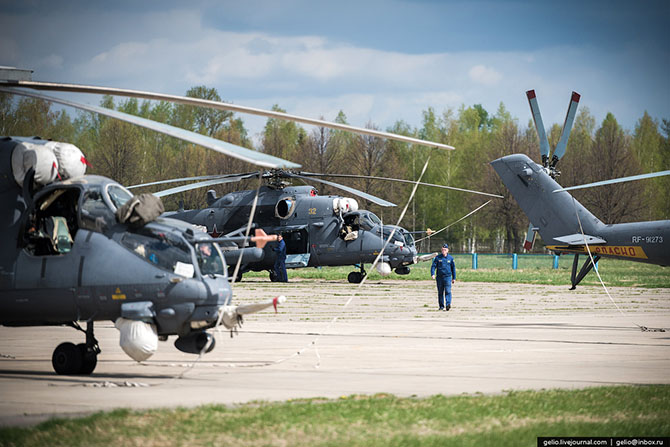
{"x":282,"y":138}
{"x":133,"y":155}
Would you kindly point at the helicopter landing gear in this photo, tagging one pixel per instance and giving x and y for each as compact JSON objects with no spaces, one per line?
{"x":70,"y":359}
{"x":357,"y":277}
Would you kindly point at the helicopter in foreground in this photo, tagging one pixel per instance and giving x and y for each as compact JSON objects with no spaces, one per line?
{"x":81,"y":248}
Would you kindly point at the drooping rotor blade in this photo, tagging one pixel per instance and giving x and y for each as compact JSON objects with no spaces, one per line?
{"x":616,"y":180}
{"x":539,"y":126}
{"x":239,"y":152}
{"x":567,"y":127}
{"x":76,"y":88}
{"x":370,"y":197}
{"x":188,"y":179}
{"x":216,"y":181}
{"x":310,"y":174}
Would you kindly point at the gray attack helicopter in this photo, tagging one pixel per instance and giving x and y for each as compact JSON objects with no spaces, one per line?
{"x":565,"y":225}
{"x":67,"y":256}
{"x":318,"y":230}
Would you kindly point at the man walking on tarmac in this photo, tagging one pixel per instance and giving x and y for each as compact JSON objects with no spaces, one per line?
{"x":444,"y":271}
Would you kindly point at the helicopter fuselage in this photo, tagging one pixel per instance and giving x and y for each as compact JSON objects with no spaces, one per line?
{"x":316,"y":230}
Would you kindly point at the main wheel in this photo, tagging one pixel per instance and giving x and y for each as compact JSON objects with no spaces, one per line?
{"x":355,"y":277}
{"x":67,"y":359}
{"x":89,"y":360}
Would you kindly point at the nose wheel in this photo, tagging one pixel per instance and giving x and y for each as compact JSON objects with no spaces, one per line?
{"x":71,"y":359}
{"x":357,"y":277}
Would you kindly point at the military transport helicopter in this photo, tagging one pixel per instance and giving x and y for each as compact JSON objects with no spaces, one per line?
{"x":565,"y":225}
{"x":66,"y":257}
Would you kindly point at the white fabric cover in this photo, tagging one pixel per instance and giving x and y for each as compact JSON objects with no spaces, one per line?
{"x":70,"y":159}
{"x":27,"y":155}
{"x":384,"y":268}
{"x":345,"y":204}
{"x":138,"y":339}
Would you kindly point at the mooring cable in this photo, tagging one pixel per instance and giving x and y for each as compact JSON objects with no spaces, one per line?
{"x":588,"y":250}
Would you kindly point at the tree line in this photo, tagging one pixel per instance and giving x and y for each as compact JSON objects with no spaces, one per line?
{"x":132,"y":155}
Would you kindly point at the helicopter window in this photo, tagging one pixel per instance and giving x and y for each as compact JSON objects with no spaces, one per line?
{"x":285,"y":208}
{"x":95,"y":214}
{"x":118,"y":196}
{"x":163,"y":250}
{"x":409,"y":240}
{"x":349,"y":231}
{"x":209,"y":259}
{"x":51,"y":228}
{"x":374,"y":219}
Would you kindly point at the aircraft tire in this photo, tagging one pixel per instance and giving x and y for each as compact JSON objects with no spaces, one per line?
{"x":355,"y":277}
{"x":67,"y":359}
{"x":89,"y":360}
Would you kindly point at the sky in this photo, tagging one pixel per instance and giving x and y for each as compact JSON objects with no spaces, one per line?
{"x":378,"y":61}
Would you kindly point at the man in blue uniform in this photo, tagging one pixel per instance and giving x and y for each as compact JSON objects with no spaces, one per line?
{"x":444,"y":271}
{"x":280,"y":262}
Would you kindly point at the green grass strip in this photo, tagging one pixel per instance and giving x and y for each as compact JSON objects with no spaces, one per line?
{"x":509,"y":419}
{"x":532,"y":269}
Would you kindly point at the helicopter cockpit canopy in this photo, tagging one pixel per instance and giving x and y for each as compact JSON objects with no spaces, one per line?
{"x":61,"y":209}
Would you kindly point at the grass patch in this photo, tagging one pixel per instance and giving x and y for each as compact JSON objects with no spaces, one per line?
{"x":510,"y":419}
{"x":532,"y":269}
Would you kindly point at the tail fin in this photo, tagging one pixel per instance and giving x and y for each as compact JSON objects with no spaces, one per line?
{"x":553,"y":214}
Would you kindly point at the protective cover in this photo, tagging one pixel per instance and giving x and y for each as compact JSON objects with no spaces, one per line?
{"x":71,"y":161}
{"x":138,"y":339}
{"x":27,"y":155}
{"x":140,"y":210}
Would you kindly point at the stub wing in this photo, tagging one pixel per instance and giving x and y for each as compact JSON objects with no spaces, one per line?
{"x":232,"y":315}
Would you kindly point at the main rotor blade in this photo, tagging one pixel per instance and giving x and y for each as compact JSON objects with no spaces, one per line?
{"x":616,"y":180}
{"x":76,"y":88}
{"x":188,"y":179}
{"x":370,"y":197}
{"x":567,"y":127}
{"x":239,"y":152}
{"x":217,"y":181}
{"x":402,"y":181}
{"x":539,"y":126}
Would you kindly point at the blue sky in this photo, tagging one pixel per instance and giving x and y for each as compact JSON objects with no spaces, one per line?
{"x":378,"y":61}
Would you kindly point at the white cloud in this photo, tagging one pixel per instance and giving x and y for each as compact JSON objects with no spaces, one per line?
{"x":482,"y":74}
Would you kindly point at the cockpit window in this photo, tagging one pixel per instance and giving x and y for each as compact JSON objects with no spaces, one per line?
{"x":164,"y":250}
{"x":409,"y":240}
{"x":51,"y":228}
{"x":374,"y":219}
{"x":118,"y":196}
{"x":95,"y":213}
{"x":209,"y":259}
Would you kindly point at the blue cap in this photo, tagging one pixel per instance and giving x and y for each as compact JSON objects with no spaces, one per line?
{"x":445,"y":246}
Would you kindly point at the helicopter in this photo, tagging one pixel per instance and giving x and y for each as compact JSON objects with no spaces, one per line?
{"x":318,"y":230}
{"x":566,"y":226}
{"x":68,"y":256}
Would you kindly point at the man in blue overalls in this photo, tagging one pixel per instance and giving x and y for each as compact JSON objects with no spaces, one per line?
{"x":444,"y":271}
{"x":280,"y":262}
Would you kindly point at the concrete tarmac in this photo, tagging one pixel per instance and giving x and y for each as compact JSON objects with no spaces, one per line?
{"x":335,"y":339}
